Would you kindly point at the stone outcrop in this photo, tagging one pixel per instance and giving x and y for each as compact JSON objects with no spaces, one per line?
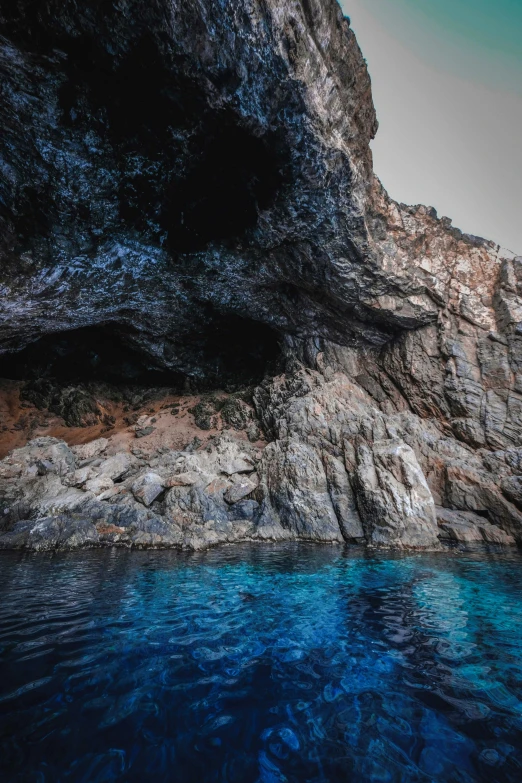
{"x":395,"y":500}
{"x":187,"y":188}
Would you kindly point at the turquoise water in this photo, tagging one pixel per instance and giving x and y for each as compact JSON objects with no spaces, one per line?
{"x":263,"y":664}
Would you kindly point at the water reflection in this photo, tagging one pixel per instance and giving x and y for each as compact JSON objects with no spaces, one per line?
{"x":253,"y":663}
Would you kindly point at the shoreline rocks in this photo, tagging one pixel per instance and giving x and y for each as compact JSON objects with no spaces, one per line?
{"x":337,"y":471}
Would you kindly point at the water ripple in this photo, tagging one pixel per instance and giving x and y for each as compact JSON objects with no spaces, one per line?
{"x":260,"y":664}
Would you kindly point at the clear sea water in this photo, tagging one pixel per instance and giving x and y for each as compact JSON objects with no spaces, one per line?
{"x":261,"y":664}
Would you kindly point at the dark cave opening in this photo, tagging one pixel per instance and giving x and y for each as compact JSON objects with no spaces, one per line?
{"x":237,"y":352}
{"x":231,"y":352}
{"x":92,"y":353}
{"x":183,"y":172}
{"x":234,"y":175}
{"x":189,"y":175}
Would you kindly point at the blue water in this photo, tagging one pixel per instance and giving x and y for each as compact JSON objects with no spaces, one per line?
{"x":258,"y":663}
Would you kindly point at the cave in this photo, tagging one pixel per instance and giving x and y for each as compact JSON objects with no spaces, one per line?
{"x":93,"y":353}
{"x":188,"y":175}
{"x":231,"y":352}
{"x":230,"y":175}
{"x":237,"y":352}
{"x":235,"y":175}
{"x":183,"y":173}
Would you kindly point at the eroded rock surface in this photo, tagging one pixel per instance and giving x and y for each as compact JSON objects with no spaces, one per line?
{"x":395,"y":500}
{"x":188,"y":188}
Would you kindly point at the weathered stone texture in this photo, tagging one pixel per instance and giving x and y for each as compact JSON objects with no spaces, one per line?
{"x":186,"y":174}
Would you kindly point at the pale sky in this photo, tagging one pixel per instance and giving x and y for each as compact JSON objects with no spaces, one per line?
{"x":447,"y":87}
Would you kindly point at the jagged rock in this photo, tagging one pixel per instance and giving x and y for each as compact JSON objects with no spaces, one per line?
{"x":142,"y":432}
{"x":183,"y":479}
{"x":298,"y":491}
{"x":52,"y":453}
{"x":230,"y":461}
{"x":236,"y":413}
{"x":90,"y":450}
{"x":81,"y":476}
{"x":99,"y":484}
{"x":512,"y":489}
{"x":55,"y":532}
{"x":116,"y":466}
{"x":343,"y":499}
{"x":240,"y":489}
{"x":266,"y":169}
{"x":394,"y":499}
{"x":495,"y":535}
{"x":467,"y":527}
{"x":147,"y":488}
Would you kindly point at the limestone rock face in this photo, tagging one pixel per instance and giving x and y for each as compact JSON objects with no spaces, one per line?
{"x":170,"y":165}
{"x":298,"y":491}
{"x":395,"y":500}
{"x":188,"y":187}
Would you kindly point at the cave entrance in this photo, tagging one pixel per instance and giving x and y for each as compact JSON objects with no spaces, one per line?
{"x":237,"y":352}
{"x":234,"y":175}
{"x":90,"y":354}
{"x":231,"y":352}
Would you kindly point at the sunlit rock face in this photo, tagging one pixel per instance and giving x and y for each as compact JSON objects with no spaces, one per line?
{"x":191,"y":183}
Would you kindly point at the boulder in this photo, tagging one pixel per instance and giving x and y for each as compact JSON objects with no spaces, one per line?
{"x":241,"y":488}
{"x":90,"y":450}
{"x":41,"y":455}
{"x":99,"y":484}
{"x":184,"y":479}
{"x":147,"y":487}
{"x":116,"y":466}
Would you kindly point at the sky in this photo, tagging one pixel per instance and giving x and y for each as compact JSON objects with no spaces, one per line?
{"x":447,"y":87}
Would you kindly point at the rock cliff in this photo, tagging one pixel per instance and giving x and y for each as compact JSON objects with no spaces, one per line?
{"x":187,"y":190}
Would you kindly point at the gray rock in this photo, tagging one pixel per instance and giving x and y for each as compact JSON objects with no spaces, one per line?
{"x":48,"y":455}
{"x":298,"y":491}
{"x":142,"y":432}
{"x":99,"y":484}
{"x":467,"y":527}
{"x":81,"y":476}
{"x":240,"y":489}
{"x":90,"y":450}
{"x":399,"y":379}
{"x":512,"y":489}
{"x":393,"y":497}
{"x":49,"y":533}
{"x":495,"y":535}
{"x":184,"y":479}
{"x":116,"y":466}
{"x":343,"y":499}
{"x":147,"y":487}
